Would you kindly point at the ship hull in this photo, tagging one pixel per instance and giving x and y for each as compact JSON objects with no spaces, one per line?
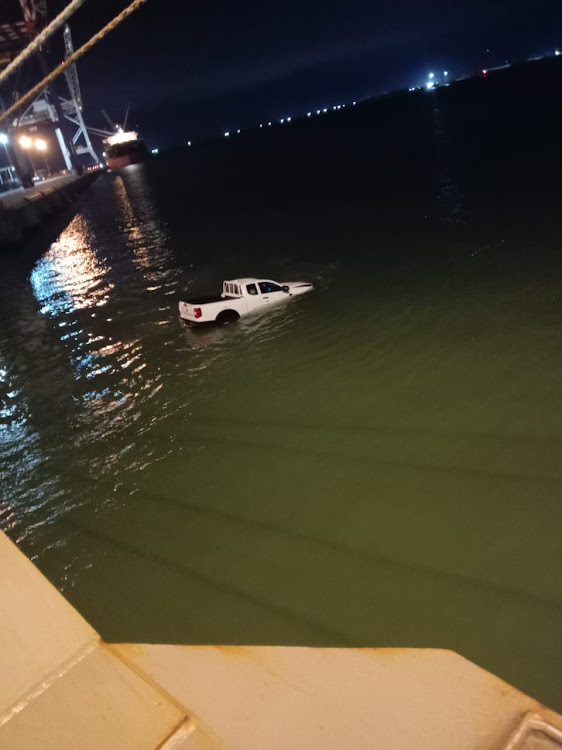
{"x":116,"y":162}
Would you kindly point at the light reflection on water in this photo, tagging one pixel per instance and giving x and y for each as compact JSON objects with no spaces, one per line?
{"x":112,"y":382}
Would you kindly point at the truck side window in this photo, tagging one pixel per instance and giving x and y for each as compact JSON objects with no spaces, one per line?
{"x":251,"y":289}
{"x":267,"y":286}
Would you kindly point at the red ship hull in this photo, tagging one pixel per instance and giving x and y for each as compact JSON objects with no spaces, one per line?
{"x":115,"y":162}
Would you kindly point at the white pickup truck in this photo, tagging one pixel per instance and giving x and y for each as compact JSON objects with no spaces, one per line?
{"x":240,"y":297}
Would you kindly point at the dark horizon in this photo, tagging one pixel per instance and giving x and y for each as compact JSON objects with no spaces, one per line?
{"x":192,"y":73}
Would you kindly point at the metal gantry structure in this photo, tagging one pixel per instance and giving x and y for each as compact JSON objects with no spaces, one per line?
{"x":72,"y":106}
{"x":22,"y":41}
{"x":70,"y":103}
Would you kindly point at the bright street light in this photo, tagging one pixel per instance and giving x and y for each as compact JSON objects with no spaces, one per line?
{"x":432,"y":75}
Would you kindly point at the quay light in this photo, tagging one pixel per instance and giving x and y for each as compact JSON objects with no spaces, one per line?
{"x":25,"y":141}
{"x":282,"y":120}
{"x":238,"y":131}
{"x":557,"y":52}
{"x":324,"y":110}
{"x":189,"y":143}
{"x":268,"y":124}
{"x":429,"y":85}
{"x":227,"y":133}
{"x":308,"y":114}
{"x":354,"y":103}
{"x":154,"y":151}
{"x":317,"y":111}
{"x":288,"y":119}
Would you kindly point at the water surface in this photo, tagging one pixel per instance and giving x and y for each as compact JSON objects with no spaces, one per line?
{"x":377,"y":463}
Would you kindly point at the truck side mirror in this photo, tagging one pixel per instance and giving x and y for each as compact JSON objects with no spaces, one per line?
{"x":285,"y":289}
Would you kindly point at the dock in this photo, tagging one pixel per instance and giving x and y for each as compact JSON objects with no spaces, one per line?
{"x":22,"y":211}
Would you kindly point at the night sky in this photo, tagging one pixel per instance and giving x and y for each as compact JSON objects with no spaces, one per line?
{"x":192,"y":70}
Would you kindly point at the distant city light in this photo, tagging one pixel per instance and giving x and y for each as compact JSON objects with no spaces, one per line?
{"x":308,"y":114}
{"x":282,"y":120}
{"x":429,"y":85}
{"x":432,"y":75}
{"x":153,"y":151}
{"x":354,"y":103}
{"x":268,"y":123}
{"x":557,"y":52}
{"x":238,"y":131}
{"x":227,"y":133}
{"x":317,"y":111}
{"x":324,"y":110}
{"x":189,"y":143}
{"x":288,"y":119}
{"x":4,"y":139}
{"x":484,"y":71}
{"x":445,"y":72}
{"x":261,"y":124}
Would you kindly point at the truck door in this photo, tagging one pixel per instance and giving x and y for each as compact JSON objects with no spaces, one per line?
{"x":270,"y":292}
{"x":253,"y":297}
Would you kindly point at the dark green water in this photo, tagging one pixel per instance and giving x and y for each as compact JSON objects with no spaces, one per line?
{"x":378,"y":463}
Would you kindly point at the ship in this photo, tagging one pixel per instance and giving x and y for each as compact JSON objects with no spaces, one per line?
{"x":123,"y":148}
